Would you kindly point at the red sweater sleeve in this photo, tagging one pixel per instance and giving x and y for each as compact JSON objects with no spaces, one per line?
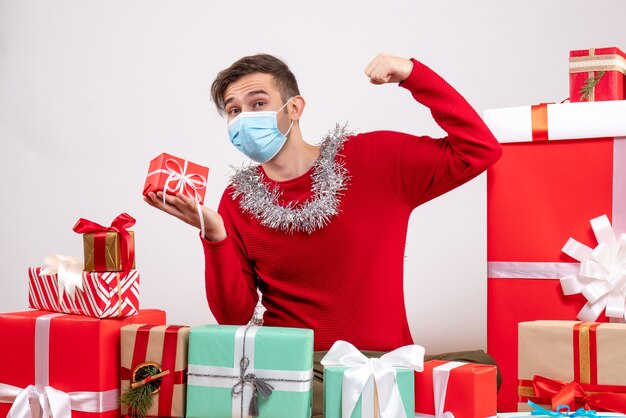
{"x":422,"y":168}
{"x":230,"y":280}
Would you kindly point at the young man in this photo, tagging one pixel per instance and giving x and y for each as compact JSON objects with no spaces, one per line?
{"x":321,"y":230}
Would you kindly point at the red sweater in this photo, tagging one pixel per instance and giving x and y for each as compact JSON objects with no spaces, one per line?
{"x":344,"y":281}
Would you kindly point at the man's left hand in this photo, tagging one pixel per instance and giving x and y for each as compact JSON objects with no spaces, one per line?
{"x":385,"y":68}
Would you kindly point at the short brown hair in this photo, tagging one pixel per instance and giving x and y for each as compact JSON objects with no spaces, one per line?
{"x":260,"y":63}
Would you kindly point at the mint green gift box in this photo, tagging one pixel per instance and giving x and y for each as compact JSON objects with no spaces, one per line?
{"x":333,"y":383}
{"x":282,"y":356}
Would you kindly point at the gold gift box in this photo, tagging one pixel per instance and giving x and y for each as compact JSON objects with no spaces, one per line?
{"x":112,"y":252}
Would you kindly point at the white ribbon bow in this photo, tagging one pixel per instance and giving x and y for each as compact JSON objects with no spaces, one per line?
{"x":46,"y":402}
{"x":180,"y":179}
{"x":601,"y":277}
{"x":69,"y":271}
{"x":383,"y":371}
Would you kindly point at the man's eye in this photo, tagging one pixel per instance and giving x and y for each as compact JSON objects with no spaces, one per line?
{"x":233,"y":111}
{"x":258,"y":104}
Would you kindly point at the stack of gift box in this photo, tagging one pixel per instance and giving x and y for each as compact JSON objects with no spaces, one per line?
{"x":556,"y":244}
{"x":88,"y":350}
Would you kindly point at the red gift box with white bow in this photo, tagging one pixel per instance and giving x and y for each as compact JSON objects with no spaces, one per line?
{"x":562,"y":166}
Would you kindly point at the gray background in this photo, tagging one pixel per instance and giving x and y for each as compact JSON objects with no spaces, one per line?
{"x":90,"y":91}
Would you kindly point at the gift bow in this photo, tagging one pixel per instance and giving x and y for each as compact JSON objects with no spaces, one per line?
{"x":42,"y":400}
{"x":601,"y":277}
{"x":178,"y":180}
{"x":382,"y":370}
{"x":120,"y":225}
{"x":561,"y":411}
{"x":573,"y":394}
{"x":69,"y":271}
{"x":48,"y":402}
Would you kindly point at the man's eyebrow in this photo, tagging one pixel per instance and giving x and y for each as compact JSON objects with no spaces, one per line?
{"x":252,"y":93}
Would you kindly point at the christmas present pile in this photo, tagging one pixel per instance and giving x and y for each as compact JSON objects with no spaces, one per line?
{"x":552,"y":251}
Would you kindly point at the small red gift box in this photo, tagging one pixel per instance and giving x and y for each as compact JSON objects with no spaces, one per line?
{"x":541,"y":192}
{"x":103,"y":295}
{"x":597,"y":74}
{"x":173,"y":175}
{"x":68,"y":362}
{"x":467,"y":390}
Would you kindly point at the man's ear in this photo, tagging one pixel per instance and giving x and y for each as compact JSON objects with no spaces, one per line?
{"x":296,"y":107}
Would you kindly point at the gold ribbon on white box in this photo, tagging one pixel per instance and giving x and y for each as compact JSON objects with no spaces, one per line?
{"x":363,"y":373}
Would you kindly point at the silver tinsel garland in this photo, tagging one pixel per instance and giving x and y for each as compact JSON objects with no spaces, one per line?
{"x":329,"y":179}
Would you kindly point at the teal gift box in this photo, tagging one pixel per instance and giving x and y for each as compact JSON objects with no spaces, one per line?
{"x":230,"y":366}
{"x":333,"y":383}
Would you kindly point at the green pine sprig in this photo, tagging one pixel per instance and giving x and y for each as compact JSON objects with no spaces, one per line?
{"x":140,"y":399}
{"x":590,"y":84}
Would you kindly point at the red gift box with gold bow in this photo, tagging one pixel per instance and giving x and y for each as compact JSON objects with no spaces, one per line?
{"x":579,"y":364}
{"x":597,"y":74}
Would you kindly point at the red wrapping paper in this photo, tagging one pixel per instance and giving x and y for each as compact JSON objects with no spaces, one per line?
{"x":471,"y":391}
{"x":539,"y":195}
{"x":176,"y":175}
{"x":611,"y":86}
{"x":83,"y":352}
{"x":104,"y":295}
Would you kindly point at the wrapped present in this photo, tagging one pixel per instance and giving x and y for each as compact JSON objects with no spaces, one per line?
{"x":171,"y":175}
{"x":597,"y":74}
{"x":239,"y":371}
{"x":562,"y":165}
{"x":578,"y":364}
{"x":149,"y":351}
{"x":462,"y":390}
{"x":109,"y":248}
{"x":71,"y":290}
{"x":66,"y":365}
{"x":356,"y":386}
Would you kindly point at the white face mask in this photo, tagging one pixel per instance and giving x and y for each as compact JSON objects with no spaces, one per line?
{"x":256,"y":134}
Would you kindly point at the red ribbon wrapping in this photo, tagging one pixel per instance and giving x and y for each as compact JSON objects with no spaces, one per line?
{"x":168,"y":362}
{"x":119,"y":225}
{"x":574,"y":395}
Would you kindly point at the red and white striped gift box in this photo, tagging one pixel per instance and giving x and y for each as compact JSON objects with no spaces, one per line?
{"x":103,"y":294}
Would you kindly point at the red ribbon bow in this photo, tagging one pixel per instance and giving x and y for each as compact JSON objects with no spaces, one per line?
{"x":573,"y":395}
{"x":119,"y":225}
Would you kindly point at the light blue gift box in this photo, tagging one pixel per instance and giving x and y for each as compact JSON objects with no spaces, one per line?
{"x":282,"y":357}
